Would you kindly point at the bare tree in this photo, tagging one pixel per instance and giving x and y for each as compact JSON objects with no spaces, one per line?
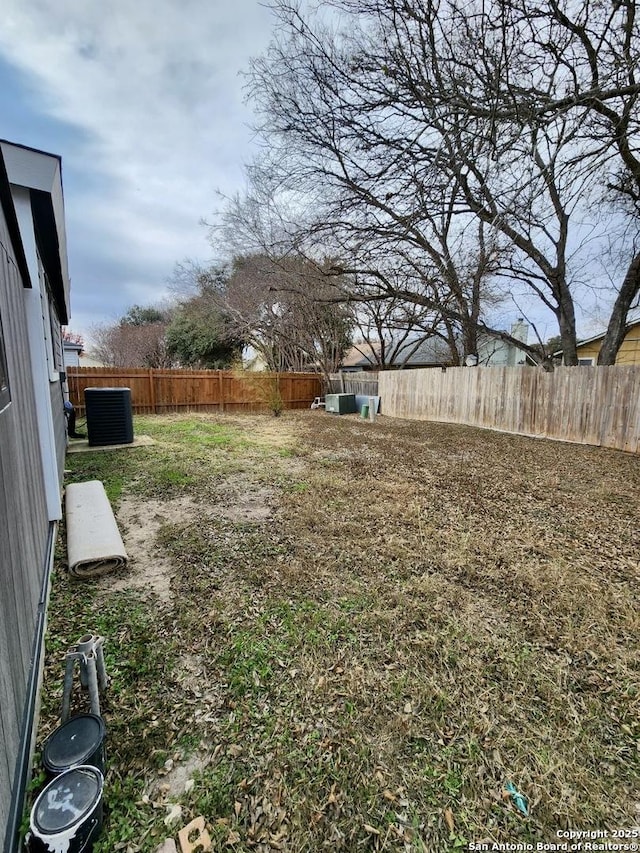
{"x":72,"y":337}
{"x":563,"y":75}
{"x":418,"y":118}
{"x":332,"y":110}
{"x":137,"y":340}
{"x":285,"y":310}
{"x":390,"y":331}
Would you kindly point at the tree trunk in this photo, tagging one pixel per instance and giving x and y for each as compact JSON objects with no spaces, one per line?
{"x":470,"y":339}
{"x":617,"y":327}
{"x":567,"y":328}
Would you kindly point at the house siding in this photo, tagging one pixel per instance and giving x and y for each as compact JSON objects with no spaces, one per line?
{"x":24,"y":521}
{"x":59,"y":427}
{"x":629,"y":352}
{"x":57,"y":396}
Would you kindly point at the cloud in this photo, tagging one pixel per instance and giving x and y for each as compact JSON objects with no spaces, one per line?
{"x":150,"y":95}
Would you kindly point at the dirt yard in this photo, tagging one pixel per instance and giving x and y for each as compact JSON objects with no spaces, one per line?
{"x":343,"y":635}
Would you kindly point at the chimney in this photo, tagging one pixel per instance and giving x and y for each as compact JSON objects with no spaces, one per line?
{"x":520,"y":330}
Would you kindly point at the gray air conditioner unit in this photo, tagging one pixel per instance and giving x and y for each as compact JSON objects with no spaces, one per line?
{"x":109,"y":417}
{"x":340,"y":404}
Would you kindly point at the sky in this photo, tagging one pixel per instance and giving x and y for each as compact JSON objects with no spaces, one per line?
{"x":144,"y":102}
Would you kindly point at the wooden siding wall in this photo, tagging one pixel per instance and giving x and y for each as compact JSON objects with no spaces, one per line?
{"x":629,"y":352}
{"x":588,"y":405}
{"x":158,"y":391}
{"x":24,"y":523}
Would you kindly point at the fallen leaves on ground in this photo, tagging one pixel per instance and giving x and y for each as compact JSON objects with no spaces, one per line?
{"x":426,"y":611}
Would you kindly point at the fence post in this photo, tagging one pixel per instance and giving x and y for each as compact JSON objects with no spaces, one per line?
{"x":221,"y":384}
{"x":152,"y":391}
{"x":73,"y":390}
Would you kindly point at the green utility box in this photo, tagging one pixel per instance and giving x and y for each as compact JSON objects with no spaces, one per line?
{"x":340,"y":404}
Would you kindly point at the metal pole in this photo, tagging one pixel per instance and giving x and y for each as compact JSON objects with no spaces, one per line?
{"x":85,"y":645}
{"x":93,"y":674}
{"x":66,"y":690}
{"x":103,"y":680}
{"x":94,"y":697}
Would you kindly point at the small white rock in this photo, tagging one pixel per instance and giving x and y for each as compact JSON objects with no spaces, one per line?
{"x":168,"y":846}
{"x":175,"y":813}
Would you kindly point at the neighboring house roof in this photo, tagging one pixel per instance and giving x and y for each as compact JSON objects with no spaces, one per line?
{"x":361,"y":356}
{"x":632,"y":326}
{"x":432,"y":351}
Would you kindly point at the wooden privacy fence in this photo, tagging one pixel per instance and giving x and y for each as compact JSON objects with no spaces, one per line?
{"x":589,"y":405}
{"x":158,"y":391}
{"x":358,"y":382}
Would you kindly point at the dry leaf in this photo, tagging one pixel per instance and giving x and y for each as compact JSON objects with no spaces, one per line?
{"x":371,"y":829}
{"x":448,"y":816}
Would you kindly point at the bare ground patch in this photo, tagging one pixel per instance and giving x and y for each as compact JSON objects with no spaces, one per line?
{"x":235,"y":498}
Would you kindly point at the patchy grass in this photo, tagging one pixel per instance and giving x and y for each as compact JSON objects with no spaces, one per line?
{"x":428,"y":613}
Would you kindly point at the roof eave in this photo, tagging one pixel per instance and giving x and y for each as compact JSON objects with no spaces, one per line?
{"x":41,"y":173}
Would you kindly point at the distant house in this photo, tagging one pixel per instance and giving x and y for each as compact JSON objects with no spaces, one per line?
{"x":434,"y":352}
{"x":356,"y":359}
{"x":34,"y":302}
{"x":629,"y":352}
{"x":75,"y":355}
{"x":494,"y":352}
{"x":71,"y":351}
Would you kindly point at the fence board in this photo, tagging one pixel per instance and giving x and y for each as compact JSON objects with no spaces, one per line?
{"x":588,"y":405}
{"x":159,"y":391}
